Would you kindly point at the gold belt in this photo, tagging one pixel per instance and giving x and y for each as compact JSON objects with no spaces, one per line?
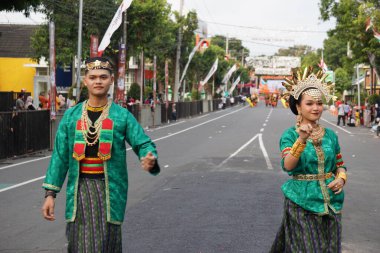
{"x":312,"y":177}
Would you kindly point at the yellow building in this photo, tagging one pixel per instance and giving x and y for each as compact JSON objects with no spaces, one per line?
{"x":14,"y":55}
{"x":14,"y":76}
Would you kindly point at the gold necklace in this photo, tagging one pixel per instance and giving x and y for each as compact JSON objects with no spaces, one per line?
{"x":92,"y":137}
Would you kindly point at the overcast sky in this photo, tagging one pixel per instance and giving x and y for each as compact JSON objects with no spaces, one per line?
{"x":272,"y":23}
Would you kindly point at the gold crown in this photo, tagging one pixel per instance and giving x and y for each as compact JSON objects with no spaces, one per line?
{"x":98,"y":65}
{"x":301,"y":82}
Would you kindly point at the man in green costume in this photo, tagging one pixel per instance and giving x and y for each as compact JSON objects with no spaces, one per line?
{"x":90,"y":149}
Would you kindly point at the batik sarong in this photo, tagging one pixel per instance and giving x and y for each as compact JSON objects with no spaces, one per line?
{"x":304,"y":231}
{"x":90,"y":231}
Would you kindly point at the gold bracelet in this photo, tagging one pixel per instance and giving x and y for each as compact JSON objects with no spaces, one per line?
{"x":343,"y":176}
{"x":297,"y":149}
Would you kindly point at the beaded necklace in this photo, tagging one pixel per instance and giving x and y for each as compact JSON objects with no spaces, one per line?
{"x":91,"y":137}
{"x":317,"y":135}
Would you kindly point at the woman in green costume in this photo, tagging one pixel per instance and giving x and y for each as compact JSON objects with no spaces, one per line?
{"x":311,"y":156}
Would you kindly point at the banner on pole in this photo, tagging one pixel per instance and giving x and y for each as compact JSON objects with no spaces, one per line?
{"x":94,"y":42}
{"x":229,"y":74}
{"x":115,"y":23}
{"x":166,"y":82}
{"x":52,"y":69}
{"x":120,"y":96}
{"x":154,"y":80}
{"x":234,"y":85}
{"x":211,"y":72}
{"x":190,"y":58}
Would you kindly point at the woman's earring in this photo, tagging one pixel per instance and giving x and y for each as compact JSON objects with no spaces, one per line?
{"x":299,"y":119}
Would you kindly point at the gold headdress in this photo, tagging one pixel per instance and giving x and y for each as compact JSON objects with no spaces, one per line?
{"x":305,"y":81}
{"x":97,"y":64}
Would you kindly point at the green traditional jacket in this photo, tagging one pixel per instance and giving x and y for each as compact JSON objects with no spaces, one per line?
{"x":313,"y":195}
{"x":124,"y":129}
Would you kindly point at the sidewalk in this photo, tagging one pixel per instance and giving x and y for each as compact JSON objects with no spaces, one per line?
{"x":328,"y":118}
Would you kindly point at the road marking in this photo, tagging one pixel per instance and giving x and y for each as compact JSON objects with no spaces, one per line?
{"x":240,"y":149}
{"x":21,"y":184}
{"x":269,"y":164}
{"x":29,"y":161}
{"x":184,"y":130}
{"x":169,"y":135}
{"x":262,"y":130}
{"x":341,"y":128}
{"x":174,"y":124}
{"x":200,"y":124}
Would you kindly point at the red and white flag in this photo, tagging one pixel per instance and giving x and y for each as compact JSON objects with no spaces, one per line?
{"x":368,"y":24}
{"x":323,"y":66}
{"x":211,"y":72}
{"x":115,"y":23}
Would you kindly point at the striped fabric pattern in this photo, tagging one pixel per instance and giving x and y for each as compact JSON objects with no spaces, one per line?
{"x":92,"y":166}
{"x":304,"y":231}
{"x":285,"y":152}
{"x":339,"y":161}
{"x":90,"y":232}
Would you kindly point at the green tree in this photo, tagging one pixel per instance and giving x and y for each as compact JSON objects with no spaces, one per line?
{"x":235,"y":46}
{"x":20,"y":5}
{"x":65,"y":16}
{"x":296,"y":51}
{"x":342,"y":80}
{"x":351,"y":17}
{"x":311,"y":58}
{"x":134,"y":91}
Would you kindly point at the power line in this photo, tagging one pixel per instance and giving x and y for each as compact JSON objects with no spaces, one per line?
{"x":265,"y":29}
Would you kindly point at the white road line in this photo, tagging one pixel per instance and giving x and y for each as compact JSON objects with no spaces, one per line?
{"x":29,"y":161}
{"x":187,"y":129}
{"x":269,"y":164}
{"x":206,"y":122}
{"x":21,"y":184}
{"x":240,"y":149}
{"x":174,"y":124}
{"x":46,"y":157}
{"x":262,"y":130}
{"x":341,"y":128}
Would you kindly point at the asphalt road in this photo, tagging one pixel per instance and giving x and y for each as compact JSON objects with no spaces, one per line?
{"x":219,"y":190}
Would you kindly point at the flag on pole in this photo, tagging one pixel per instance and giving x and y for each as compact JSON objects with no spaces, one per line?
{"x":323,"y":66}
{"x":211,"y":72}
{"x":368,"y":24}
{"x":234,"y":84}
{"x":376,"y":34}
{"x":115,"y":23}
{"x":229,"y":73}
{"x":195,"y":49}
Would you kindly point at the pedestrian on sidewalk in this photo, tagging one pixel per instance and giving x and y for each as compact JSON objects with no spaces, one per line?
{"x":90,"y":148}
{"x":341,"y":115}
{"x":314,"y":196}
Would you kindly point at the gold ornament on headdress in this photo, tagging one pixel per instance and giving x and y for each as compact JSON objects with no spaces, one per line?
{"x":313,"y":84}
{"x":98,"y":65}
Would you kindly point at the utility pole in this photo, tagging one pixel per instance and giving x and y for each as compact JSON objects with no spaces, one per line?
{"x":227,"y":45}
{"x":358,"y":83}
{"x":242,"y":57}
{"x":79,"y":53}
{"x":142,"y":67}
{"x":178,"y":57}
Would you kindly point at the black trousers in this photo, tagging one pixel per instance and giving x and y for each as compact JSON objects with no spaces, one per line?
{"x":343,"y":118}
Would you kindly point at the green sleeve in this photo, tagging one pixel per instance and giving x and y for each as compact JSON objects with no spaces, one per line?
{"x":286,"y":142}
{"x":59,"y":163}
{"x":139,"y":141}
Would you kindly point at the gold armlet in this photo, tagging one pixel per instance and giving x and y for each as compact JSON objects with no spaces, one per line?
{"x":297,"y":149}
{"x":343,"y":176}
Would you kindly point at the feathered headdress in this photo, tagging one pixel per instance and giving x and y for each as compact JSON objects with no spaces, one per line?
{"x":301,"y":82}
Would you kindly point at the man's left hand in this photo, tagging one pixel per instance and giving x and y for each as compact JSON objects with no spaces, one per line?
{"x":148,"y":161}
